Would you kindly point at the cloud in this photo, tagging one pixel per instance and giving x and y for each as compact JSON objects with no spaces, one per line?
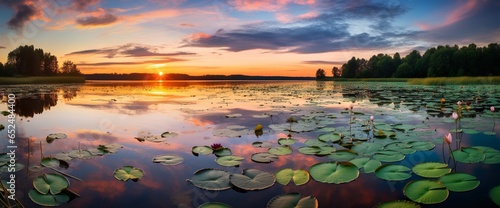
{"x":83,"y":5}
{"x":129,"y":50}
{"x":155,"y":61}
{"x":265,"y":5}
{"x":187,"y":25}
{"x":324,"y":62}
{"x":98,"y":20}
{"x":24,"y":12}
{"x":2,"y":47}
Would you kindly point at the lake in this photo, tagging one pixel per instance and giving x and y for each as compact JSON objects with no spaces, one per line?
{"x":101,"y":126}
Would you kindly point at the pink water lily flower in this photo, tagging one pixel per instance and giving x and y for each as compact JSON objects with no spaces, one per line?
{"x":371,"y":118}
{"x":459,"y":103}
{"x":492,"y":109}
{"x":454,"y":115}
{"x":447,"y":138}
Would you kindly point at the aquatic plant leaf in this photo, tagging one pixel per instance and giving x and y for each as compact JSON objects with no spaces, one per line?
{"x":4,"y":158}
{"x":286,"y":141}
{"x":252,"y":179}
{"x":388,"y":156}
{"x":96,"y":151}
{"x":404,"y":127}
{"x":229,"y":160}
{"x":150,"y":138}
{"x":469,"y":155}
{"x":62,"y":156}
{"x":204,"y":150}
{"x":368,"y":165}
{"x":80,"y":154}
{"x":329,"y":137}
{"x":36,"y":168}
{"x":264,"y":157}
{"x":431,"y":169}
{"x":492,"y":156}
{"x":398,"y":204}
{"x":300,"y":177}
{"x":264,"y":144}
{"x":403,"y":148}
{"x":286,"y":150}
{"x":422,"y":146}
{"x":326,"y":150}
{"x":168,"y":159}
{"x":459,"y":182}
{"x":367,"y":149}
{"x":495,"y":195}
{"x":343,"y":155}
{"x":292,"y":200}
{"x":50,"y":182}
{"x":470,"y":131}
{"x":214,"y":205}
{"x":48,"y":200}
{"x":54,"y":136}
{"x":17,"y":166}
{"x":50,"y":162}
{"x":110,"y":148}
{"x":128,"y":173}
{"x":222,"y":152}
{"x":426,"y":191}
{"x":309,"y":150}
{"x":211,"y":179}
{"x":315,"y":142}
{"x":393,"y":172}
{"x":168,"y":134}
{"x":334,"y":172}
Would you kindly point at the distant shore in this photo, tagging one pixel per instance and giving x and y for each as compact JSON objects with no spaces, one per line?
{"x":426,"y":81}
{"x":42,"y":80}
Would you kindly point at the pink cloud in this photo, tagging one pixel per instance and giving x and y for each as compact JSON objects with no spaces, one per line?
{"x":266,"y":5}
{"x":453,"y":16}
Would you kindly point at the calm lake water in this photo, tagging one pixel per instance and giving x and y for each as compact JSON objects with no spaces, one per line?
{"x":226,"y":112}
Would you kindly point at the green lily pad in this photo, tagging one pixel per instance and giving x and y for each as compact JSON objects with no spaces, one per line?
{"x":403,"y":148}
{"x":398,"y":204}
{"x":368,"y":165}
{"x":51,"y":137}
{"x":343,"y":155}
{"x":204,"y":150}
{"x":300,"y":177}
{"x":470,"y":131}
{"x":168,"y":159}
{"x":150,"y":138}
{"x":367,"y":149}
{"x":492,"y":156}
{"x":469,"y":155}
{"x":110,"y":148}
{"x":431,"y":169}
{"x":459,"y":182}
{"x":490,"y":133}
{"x":292,"y":200}
{"x":262,"y":144}
{"x":426,"y":191}
{"x":128,"y":172}
{"x":80,"y":154}
{"x":286,"y":141}
{"x":495,"y":195}
{"x":18,"y":166}
{"x":393,"y":172}
{"x":48,"y":200}
{"x":252,"y":179}
{"x":422,"y":146}
{"x":315,"y":142}
{"x":223,"y":152}
{"x":214,"y":205}
{"x":286,"y":150}
{"x":334,"y":172}
{"x":388,"y":156}
{"x":168,"y":134}
{"x":229,"y":160}
{"x":309,"y":150}
{"x":50,"y":162}
{"x":211,"y":179}
{"x":264,"y":157}
{"x":404,"y":127}
{"x":329,"y":137}
{"x":4,"y":158}
{"x":50,"y":182}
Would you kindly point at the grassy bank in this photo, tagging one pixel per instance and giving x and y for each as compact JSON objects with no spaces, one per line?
{"x":455,"y":80}
{"x":365,"y":79}
{"x":42,"y":80}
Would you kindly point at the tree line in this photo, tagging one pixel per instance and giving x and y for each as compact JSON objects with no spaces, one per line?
{"x":30,"y":61}
{"x":440,"y":61}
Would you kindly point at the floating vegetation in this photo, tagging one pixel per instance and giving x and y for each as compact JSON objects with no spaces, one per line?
{"x":51,"y":137}
{"x":51,"y":190}
{"x":211,"y":179}
{"x":459,"y":182}
{"x":334,"y":172}
{"x":426,"y":191}
{"x":431,"y":169}
{"x":399,"y":204}
{"x":299,"y":177}
{"x":229,"y":160}
{"x":264,"y":157}
{"x":495,"y":195}
{"x":168,"y":159}
{"x":393,"y":172}
{"x":252,"y":179}
{"x":214,"y":205}
{"x":293,"y":200}
{"x":128,"y":173}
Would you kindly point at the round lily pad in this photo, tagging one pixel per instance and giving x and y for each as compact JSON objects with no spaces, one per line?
{"x":459,"y":182}
{"x":168,"y":134}
{"x":204,"y":150}
{"x":48,"y":200}
{"x":299,"y":177}
{"x":50,"y":162}
{"x":262,"y":144}
{"x":128,"y":172}
{"x":469,"y":155}
{"x":80,"y":154}
{"x":309,"y":150}
{"x":367,"y":148}
{"x":214,"y":205}
{"x":222,"y":152}
{"x":51,"y":137}
{"x":281,"y":150}
{"x":368,"y":165}
{"x":388,"y":156}
{"x":229,"y":160}
{"x":426,"y":191}
{"x":492,"y":156}
{"x":264,"y":157}
{"x":168,"y":159}
{"x":393,"y":172}
{"x":334,"y":172}
{"x":211,"y":179}
{"x":343,"y":155}
{"x":495,"y":195}
{"x":315,"y":142}
{"x":398,"y":204}
{"x":329,"y":137}
{"x":422,"y":146}
{"x":431,"y":169}
{"x":50,"y":182}
{"x":252,"y":179}
{"x":292,"y":200}
{"x":286,"y":141}
{"x":403,"y":148}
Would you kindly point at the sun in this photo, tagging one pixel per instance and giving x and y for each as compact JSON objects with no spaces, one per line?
{"x":160,"y":73}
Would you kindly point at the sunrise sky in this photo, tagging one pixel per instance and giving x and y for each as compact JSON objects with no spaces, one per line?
{"x":252,"y":37}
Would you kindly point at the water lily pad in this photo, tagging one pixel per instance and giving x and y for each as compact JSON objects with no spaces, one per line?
{"x":329,"y":137}
{"x":469,"y":155}
{"x":214,"y":205}
{"x":281,"y":150}
{"x":315,"y":142}
{"x":262,"y":144}
{"x":168,"y":134}
{"x":459,"y":182}
{"x":286,"y":141}
{"x":398,"y":204}
{"x":128,"y":172}
{"x":404,"y":127}
{"x":150,"y":138}
{"x":300,"y":177}
{"x":422,"y":146}
{"x":110,"y":148}
{"x":292,"y":200}
{"x":204,"y":150}
{"x":431,"y":169}
{"x":367,"y":149}
{"x":343,"y":155}
{"x":492,"y":156}
{"x":393,"y":172}
{"x":229,"y":160}
{"x":50,"y":162}
{"x":495,"y":195}
{"x":334,"y":172}
{"x":50,"y":182}
{"x":252,"y":179}
{"x":48,"y":200}
{"x":168,"y":159}
{"x":368,"y":165}
{"x":426,"y":191}
{"x":51,"y":137}
{"x":264,"y":157}
{"x":388,"y":156}
{"x":80,"y":154}
{"x":211,"y":179}
{"x":222,"y":152}
{"x":403,"y":148}
{"x":470,"y":131}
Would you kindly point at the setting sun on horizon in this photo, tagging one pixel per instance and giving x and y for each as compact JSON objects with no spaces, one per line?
{"x":259,"y":37}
